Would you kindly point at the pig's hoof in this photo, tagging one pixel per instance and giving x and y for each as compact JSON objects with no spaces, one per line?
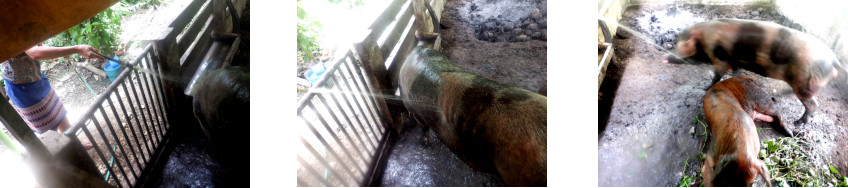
{"x":788,"y":132}
{"x":803,"y":120}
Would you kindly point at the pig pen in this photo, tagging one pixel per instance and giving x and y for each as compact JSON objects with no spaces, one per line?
{"x":646,"y":134}
{"x":503,"y":41}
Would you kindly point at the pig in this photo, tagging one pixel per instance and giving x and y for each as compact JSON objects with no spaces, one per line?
{"x":730,"y":108}
{"x":222,"y":106}
{"x":491,"y":127}
{"x":544,"y":90}
{"x":765,"y":48}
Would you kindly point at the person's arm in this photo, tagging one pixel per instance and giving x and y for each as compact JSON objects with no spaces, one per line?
{"x":47,"y":52}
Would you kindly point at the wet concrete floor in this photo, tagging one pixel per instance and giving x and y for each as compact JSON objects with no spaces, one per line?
{"x":192,"y":161}
{"x":414,"y":162}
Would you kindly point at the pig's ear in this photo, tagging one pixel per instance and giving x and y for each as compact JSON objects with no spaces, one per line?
{"x":687,"y":48}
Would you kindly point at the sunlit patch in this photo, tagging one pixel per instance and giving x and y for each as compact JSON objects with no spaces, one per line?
{"x":15,"y":172}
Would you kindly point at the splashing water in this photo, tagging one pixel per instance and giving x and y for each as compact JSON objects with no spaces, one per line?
{"x":154,"y":74}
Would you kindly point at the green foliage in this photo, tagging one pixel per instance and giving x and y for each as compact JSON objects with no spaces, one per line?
{"x":308,"y":29}
{"x":100,"y":31}
{"x":348,"y":3}
{"x":697,"y":121}
{"x":686,"y":181}
{"x":143,"y":2}
{"x":834,"y":170}
{"x":791,"y":163}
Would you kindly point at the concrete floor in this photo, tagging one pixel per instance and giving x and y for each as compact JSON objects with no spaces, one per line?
{"x":647,"y":137}
{"x":192,"y":161}
{"x":414,"y":162}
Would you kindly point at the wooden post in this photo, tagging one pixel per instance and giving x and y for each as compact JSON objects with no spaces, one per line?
{"x":371,"y":59}
{"x":27,"y":23}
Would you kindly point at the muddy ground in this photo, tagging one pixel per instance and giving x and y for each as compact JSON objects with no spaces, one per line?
{"x":646,"y":108}
{"x":520,"y":64}
{"x":502,"y":55}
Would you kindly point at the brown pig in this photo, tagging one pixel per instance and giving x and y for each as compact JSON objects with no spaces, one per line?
{"x":491,"y":127}
{"x":222,"y":106}
{"x":765,"y":48}
{"x":731,"y":107}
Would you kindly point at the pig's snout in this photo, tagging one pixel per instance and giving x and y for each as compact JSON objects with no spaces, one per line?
{"x":669,"y":58}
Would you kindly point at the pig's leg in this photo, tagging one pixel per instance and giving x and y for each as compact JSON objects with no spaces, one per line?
{"x":707,"y":171}
{"x":764,"y":111}
{"x":763,"y":171}
{"x":719,"y":69}
{"x":806,"y":90}
{"x":769,"y":115}
{"x":810,"y":106}
{"x":425,"y":130}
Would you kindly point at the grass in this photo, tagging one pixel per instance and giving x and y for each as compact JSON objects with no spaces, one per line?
{"x":790,"y":160}
{"x":686,"y":181}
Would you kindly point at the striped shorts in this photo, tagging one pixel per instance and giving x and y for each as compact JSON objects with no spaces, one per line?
{"x":37,"y":104}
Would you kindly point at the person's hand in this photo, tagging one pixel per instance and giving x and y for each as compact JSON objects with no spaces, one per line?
{"x":88,"y":52}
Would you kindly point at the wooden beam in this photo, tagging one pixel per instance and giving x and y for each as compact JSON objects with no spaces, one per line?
{"x":185,"y":16}
{"x":92,"y":69}
{"x":406,"y":45}
{"x":387,"y":16}
{"x":395,"y":32}
{"x":27,"y":23}
{"x":194,"y":27}
{"x":193,"y":52}
{"x":372,"y":60}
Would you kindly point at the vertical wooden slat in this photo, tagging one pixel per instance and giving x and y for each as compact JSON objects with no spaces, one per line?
{"x":397,"y":30}
{"x":400,"y":55}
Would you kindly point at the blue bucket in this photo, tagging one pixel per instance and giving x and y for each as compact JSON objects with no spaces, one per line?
{"x":315,"y":72}
{"x":113,"y":69}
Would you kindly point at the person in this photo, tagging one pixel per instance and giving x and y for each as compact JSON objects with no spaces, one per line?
{"x":30,"y":91}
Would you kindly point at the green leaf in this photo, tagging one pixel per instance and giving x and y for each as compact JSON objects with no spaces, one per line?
{"x":88,"y":28}
{"x":832,"y":169}
{"x":685,"y":181}
{"x":771,"y":146}
{"x":301,"y":14}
